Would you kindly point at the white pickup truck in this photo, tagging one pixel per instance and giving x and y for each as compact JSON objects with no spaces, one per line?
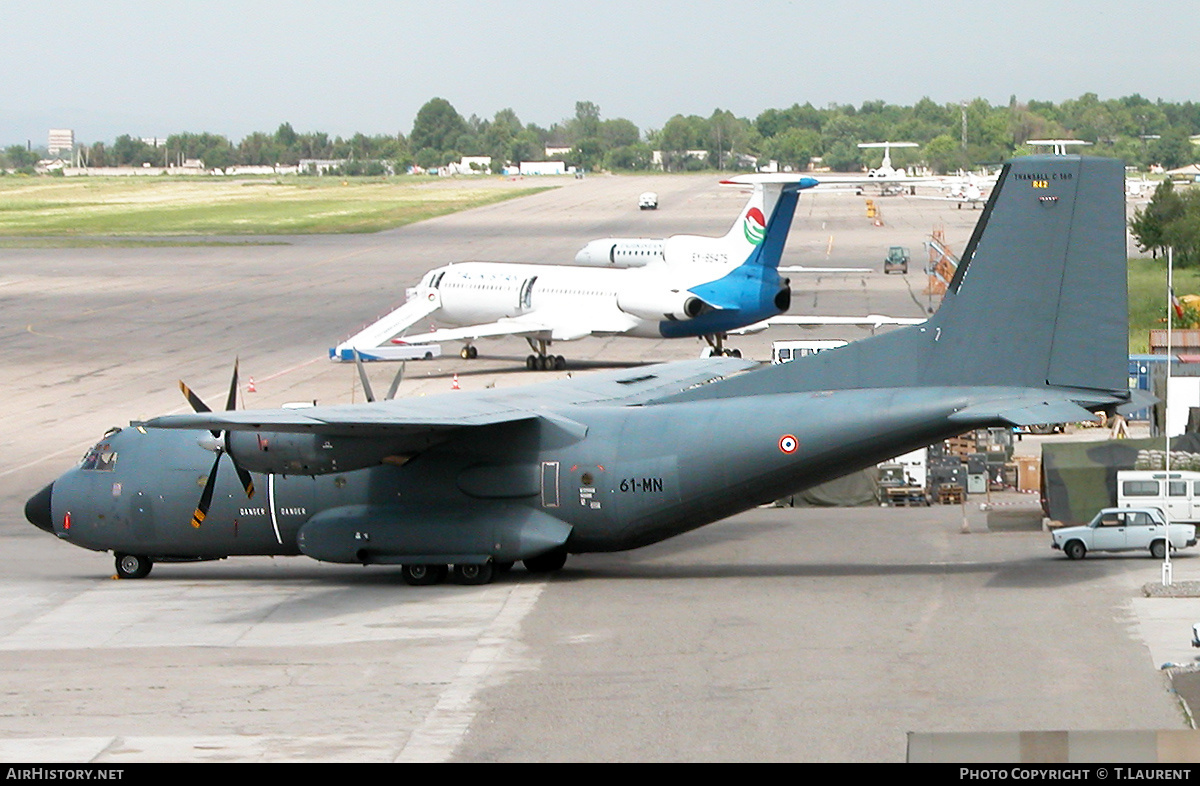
{"x":1124,"y":529}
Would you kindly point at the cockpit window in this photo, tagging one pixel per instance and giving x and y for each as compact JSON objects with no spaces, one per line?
{"x":100,"y":457}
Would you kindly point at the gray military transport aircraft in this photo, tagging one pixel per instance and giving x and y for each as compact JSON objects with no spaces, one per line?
{"x":1031,"y":330}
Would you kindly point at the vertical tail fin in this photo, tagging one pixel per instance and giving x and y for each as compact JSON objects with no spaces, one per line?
{"x":765,"y":218}
{"x":1038,"y":301}
{"x":1040,"y":298}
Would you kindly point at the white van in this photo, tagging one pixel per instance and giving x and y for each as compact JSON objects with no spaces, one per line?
{"x":1149,"y":488}
{"x":785,"y":351}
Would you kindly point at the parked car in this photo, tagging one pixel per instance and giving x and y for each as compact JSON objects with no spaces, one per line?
{"x":1123,"y":529}
{"x":648,"y":201}
{"x":896,"y":260}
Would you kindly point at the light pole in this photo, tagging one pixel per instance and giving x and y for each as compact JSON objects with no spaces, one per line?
{"x":1166,"y":566}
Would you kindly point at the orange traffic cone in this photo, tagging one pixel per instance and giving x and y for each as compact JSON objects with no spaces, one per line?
{"x":454,"y":384}
{"x":250,"y":388}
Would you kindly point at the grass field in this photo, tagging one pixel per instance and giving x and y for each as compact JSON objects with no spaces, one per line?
{"x":84,"y":207}
{"x":1148,"y":297}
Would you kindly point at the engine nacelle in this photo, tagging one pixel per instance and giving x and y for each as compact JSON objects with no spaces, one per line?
{"x":619,"y":252}
{"x":285,"y":453}
{"x":657,"y":304}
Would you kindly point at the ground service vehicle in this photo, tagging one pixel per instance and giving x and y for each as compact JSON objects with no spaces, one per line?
{"x":787,"y":351}
{"x":896,"y":260}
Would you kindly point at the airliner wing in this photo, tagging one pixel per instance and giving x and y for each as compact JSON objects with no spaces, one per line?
{"x":503,"y":327}
{"x":554,"y":327}
{"x":870,"y":320}
{"x":967,"y":200}
{"x":805,"y":269}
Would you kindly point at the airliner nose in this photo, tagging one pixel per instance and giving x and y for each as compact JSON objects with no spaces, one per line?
{"x":37,"y":509}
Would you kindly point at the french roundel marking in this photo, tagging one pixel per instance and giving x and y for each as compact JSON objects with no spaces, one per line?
{"x":788,"y":444}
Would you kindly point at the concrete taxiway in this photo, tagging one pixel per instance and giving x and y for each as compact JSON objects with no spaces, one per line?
{"x":779,"y":634}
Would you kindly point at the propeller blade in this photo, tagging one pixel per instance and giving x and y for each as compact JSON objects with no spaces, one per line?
{"x":231,"y":402}
{"x":391,"y":394}
{"x":197,"y":404}
{"x":362,"y":375}
{"x":207,"y":495}
{"x":193,"y":399}
{"x":244,"y":477}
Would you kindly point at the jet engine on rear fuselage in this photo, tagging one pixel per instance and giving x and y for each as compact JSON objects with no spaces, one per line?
{"x":658,"y":304}
{"x":618,"y":252}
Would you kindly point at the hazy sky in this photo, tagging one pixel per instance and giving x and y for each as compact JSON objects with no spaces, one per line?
{"x":157,"y":67}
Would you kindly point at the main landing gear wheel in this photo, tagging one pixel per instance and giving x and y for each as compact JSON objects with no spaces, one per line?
{"x":473,"y":575}
{"x":717,"y":348}
{"x":423,"y":575}
{"x":546,"y":563}
{"x":545,"y":362}
{"x":468,"y":353}
{"x":133,"y":566}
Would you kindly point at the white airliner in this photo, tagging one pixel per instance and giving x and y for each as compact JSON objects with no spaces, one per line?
{"x":682,"y":286}
{"x":886,"y":170}
{"x":968,"y":189}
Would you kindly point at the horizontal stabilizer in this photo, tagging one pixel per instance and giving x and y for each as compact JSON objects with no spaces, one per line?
{"x":1025,"y":411}
{"x":1138,"y":400}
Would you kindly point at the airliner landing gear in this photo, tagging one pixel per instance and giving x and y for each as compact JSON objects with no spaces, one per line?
{"x":468,"y":352}
{"x":716,"y":347}
{"x":541,"y":361}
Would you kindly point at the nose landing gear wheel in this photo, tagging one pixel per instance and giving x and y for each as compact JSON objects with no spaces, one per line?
{"x":133,"y":566}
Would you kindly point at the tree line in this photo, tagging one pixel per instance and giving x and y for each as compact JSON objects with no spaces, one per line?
{"x":952,"y":136}
{"x":1170,"y":220}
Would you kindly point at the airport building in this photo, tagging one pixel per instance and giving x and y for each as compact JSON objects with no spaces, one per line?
{"x":60,"y":139}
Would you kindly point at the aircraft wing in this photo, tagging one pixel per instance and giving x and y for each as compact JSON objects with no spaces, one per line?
{"x":427,"y":417}
{"x":870,"y":320}
{"x":804,"y":269}
{"x":565,"y":327}
{"x":981,"y":200}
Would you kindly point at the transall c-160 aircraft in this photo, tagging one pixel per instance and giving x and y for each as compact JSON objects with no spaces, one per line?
{"x":1032,"y":329}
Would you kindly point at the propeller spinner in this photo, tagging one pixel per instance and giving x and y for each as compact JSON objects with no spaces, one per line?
{"x":219,"y":447}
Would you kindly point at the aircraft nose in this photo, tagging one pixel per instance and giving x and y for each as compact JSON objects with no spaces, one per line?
{"x":37,"y":509}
